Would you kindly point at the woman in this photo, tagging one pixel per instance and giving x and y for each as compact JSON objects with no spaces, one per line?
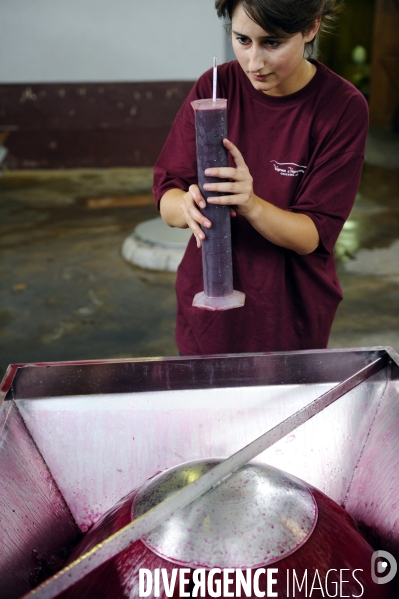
{"x":297,"y":134}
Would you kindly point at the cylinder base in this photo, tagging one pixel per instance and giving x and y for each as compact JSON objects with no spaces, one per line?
{"x":234,"y":300}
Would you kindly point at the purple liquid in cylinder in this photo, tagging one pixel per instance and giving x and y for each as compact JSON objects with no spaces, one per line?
{"x":211,"y":129}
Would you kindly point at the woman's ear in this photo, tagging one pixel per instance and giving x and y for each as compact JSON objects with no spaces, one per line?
{"x":311,"y":34}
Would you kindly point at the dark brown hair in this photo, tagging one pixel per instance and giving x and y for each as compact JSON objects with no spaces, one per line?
{"x":282,"y":18}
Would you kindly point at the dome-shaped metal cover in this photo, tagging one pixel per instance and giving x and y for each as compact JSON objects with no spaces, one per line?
{"x":257,"y":516}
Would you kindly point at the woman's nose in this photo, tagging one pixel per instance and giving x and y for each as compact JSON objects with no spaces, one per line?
{"x":256,"y":60}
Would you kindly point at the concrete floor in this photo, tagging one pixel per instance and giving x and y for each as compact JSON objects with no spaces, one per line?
{"x":67,"y":294}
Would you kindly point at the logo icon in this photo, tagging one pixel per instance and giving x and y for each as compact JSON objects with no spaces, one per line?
{"x":383,"y":567}
{"x":288,"y":169}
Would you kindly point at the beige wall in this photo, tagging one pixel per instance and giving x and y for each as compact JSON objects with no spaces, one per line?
{"x":50,"y":41}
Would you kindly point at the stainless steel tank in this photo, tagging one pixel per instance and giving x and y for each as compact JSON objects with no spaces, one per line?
{"x":76,"y":437}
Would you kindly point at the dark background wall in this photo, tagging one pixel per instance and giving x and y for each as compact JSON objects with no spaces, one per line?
{"x":373,"y":24}
{"x":87,"y":125}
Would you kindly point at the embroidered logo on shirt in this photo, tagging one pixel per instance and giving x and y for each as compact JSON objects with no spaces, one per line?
{"x":288,"y":169}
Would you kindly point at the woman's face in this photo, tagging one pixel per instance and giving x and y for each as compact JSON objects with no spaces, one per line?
{"x":275,"y":66}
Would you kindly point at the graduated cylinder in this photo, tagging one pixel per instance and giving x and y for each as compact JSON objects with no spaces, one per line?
{"x":211,"y":129}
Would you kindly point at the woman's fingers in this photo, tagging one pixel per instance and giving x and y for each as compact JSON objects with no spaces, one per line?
{"x":236,"y":191}
{"x":235,"y":153}
{"x":191,"y":206}
{"x":223,"y":172}
{"x":195,"y":193}
{"x":194,"y":218}
{"x":225,"y":187}
{"x":230,"y":200}
{"x":239,"y":185}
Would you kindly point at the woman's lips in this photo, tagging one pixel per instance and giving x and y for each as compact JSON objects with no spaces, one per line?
{"x":258,"y":77}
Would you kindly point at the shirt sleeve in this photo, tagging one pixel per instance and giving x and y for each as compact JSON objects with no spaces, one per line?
{"x":329,"y":189}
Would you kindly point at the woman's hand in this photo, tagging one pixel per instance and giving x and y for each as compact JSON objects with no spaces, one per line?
{"x":287,"y":229}
{"x":294,"y":231}
{"x":191,"y":201}
{"x":239,"y":187}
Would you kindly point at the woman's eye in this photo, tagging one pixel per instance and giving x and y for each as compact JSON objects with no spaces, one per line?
{"x":243,"y":40}
{"x":273,"y":43}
